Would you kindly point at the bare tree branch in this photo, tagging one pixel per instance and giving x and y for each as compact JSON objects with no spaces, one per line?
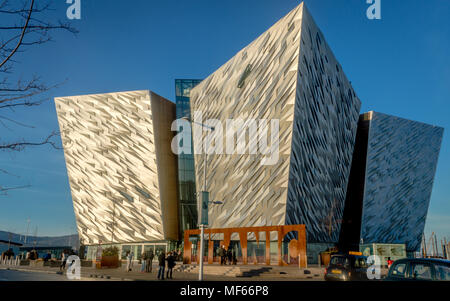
{"x":16,"y":122}
{"x":4,"y":190}
{"x":19,"y":146}
{"x":8,"y":173}
{"x":24,"y":10}
{"x":21,"y":36}
{"x":24,"y":25}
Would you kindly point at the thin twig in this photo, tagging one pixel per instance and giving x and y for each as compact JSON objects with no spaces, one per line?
{"x":21,"y":37}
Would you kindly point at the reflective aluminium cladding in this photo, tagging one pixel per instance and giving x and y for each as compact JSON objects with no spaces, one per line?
{"x":289,"y":74}
{"x":121,"y":169}
{"x":186,"y":170}
{"x":402,"y":156}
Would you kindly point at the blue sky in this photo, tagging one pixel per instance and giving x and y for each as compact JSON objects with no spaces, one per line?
{"x":398,"y":65}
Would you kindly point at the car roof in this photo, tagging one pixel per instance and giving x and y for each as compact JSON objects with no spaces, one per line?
{"x":431,"y":260}
{"x":348,"y":255}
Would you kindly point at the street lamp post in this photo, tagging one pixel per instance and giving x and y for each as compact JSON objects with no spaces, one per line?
{"x":200,"y":270}
{"x":204,"y":203}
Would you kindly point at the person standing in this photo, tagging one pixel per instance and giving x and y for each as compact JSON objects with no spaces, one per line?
{"x":162,"y":265}
{"x":143,"y":262}
{"x":63,"y":261}
{"x":229,"y":255}
{"x":389,"y":262}
{"x":10,"y":254}
{"x":221,"y":255}
{"x":129,"y":261}
{"x":224,"y":255}
{"x":170,"y":264}
{"x":47,"y":256}
{"x":149,"y":262}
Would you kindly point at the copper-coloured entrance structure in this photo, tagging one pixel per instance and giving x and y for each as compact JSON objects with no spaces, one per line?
{"x":297,"y":248}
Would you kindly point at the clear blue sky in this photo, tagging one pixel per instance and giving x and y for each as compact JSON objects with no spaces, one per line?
{"x":399,"y":65}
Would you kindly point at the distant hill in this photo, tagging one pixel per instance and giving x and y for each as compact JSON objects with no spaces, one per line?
{"x":42,"y":241}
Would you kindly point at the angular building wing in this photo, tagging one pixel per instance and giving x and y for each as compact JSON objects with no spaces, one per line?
{"x":325,"y":123}
{"x":402,"y":156}
{"x":287,"y":74}
{"x":121,"y":169}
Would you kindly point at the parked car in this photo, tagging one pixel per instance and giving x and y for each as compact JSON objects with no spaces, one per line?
{"x":347,"y":267}
{"x":419,"y":269}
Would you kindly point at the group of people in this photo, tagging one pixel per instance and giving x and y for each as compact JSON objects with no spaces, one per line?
{"x":147,"y":259}
{"x":226,"y":255}
{"x":170,"y":259}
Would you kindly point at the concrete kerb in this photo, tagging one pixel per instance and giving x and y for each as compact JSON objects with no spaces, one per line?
{"x":277,"y":272}
{"x":27,"y":270}
{"x":87,"y":275}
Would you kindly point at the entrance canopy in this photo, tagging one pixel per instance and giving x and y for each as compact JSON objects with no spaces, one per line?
{"x":297,"y":247}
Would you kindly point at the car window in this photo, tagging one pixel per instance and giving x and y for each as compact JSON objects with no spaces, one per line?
{"x":360,"y":263}
{"x":399,"y":270}
{"x":339,"y":260}
{"x":421,"y":271}
{"x":443,"y":272}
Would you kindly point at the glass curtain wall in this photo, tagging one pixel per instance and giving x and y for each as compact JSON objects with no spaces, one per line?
{"x":186,"y":171}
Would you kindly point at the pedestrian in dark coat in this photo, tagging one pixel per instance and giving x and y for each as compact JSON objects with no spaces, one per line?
{"x":222,"y":255}
{"x":233,"y":254}
{"x":170,"y":265}
{"x":144,"y":262}
{"x":162,"y":265}
{"x":148,"y":265}
{"x":229,"y":255}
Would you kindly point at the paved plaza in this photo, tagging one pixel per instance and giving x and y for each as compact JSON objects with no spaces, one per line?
{"x":181,"y":273}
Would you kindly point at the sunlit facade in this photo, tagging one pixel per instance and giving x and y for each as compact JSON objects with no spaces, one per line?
{"x":349,"y":179}
{"x":290,"y":74}
{"x":121,"y":169}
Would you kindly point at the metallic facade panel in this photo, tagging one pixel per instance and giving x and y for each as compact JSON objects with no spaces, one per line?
{"x":288,"y":74}
{"x":252,"y":194}
{"x":121,"y":170}
{"x":402,"y":157}
{"x":324,"y":131}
